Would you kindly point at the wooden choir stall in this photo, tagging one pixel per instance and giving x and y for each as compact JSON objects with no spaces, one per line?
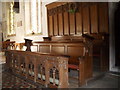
{"x":77,"y":31}
{"x":78,"y":18}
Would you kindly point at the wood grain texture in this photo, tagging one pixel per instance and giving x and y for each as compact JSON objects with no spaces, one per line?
{"x":66,"y":24}
{"x":61,"y":27}
{"x":94,"y":18}
{"x":103,"y":17}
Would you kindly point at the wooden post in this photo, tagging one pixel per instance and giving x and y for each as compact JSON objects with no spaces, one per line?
{"x":35,"y":69}
{"x":47,"y":73}
{"x":26,"y":65}
{"x":28,"y":43}
{"x":81,"y":71}
{"x":63,"y":72}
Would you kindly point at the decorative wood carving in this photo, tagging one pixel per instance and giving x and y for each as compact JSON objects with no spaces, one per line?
{"x":39,"y":67}
{"x":60,"y":9}
{"x":66,"y":7}
{"x":73,"y":7}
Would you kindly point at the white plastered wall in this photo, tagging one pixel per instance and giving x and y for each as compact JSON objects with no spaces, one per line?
{"x":21,"y":31}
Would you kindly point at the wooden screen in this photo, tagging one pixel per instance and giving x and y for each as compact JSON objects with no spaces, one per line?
{"x":76,"y":18}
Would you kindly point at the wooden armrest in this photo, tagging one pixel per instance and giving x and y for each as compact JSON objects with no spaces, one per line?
{"x":88,"y":36}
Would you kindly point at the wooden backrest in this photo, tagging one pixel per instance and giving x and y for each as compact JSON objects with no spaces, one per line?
{"x":76,"y":18}
{"x":74,"y":46}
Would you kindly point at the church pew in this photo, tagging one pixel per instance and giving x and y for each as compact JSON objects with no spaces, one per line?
{"x":47,"y":69}
{"x":79,"y":48}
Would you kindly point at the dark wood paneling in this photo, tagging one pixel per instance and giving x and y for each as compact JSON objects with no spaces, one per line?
{"x":103,"y":17}
{"x":44,"y":48}
{"x":72,"y":23}
{"x":78,"y":23}
{"x":50,"y":23}
{"x":59,"y":49}
{"x":66,"y":24}
{"x":75,"y":50}
{"x":60,"y":18}
{"x":86,"y":20}
{"x":94,"y":18}
{"x":55,"y":25}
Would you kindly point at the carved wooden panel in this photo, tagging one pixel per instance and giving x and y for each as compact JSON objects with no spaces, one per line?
{"x":35,"y":67}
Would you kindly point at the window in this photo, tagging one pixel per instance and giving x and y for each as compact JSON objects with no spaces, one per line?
{"x":33,"y":17}
{"x":11,"y":30}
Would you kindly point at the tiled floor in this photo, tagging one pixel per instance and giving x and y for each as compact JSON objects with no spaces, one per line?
{"x":104,"y":80}
{"x":11,"y":81}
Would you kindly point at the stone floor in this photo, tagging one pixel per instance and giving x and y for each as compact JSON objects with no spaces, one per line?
{"x":99,"y":80}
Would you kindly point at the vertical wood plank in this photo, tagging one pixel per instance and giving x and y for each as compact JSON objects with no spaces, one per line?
{"x":66,"y":25}
{"x":103,"y":17}
{"x":50,"y":25}
{"x":60,"y":20}
{"x":55,"y":25}
{"x":94,"y":18}
{"x":63,"y":72}
{"x":47,"y":73}
{"x":78,"y":23}
{"x":72,"y":23}
{"x":27,"y":65}
{"x":86,"y":20}
{"x":35,"y":69}
{"x":81,"y":71}
{"x":18,"y":58}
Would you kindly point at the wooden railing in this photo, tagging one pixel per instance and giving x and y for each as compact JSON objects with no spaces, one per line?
{"x":46,"y":69}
